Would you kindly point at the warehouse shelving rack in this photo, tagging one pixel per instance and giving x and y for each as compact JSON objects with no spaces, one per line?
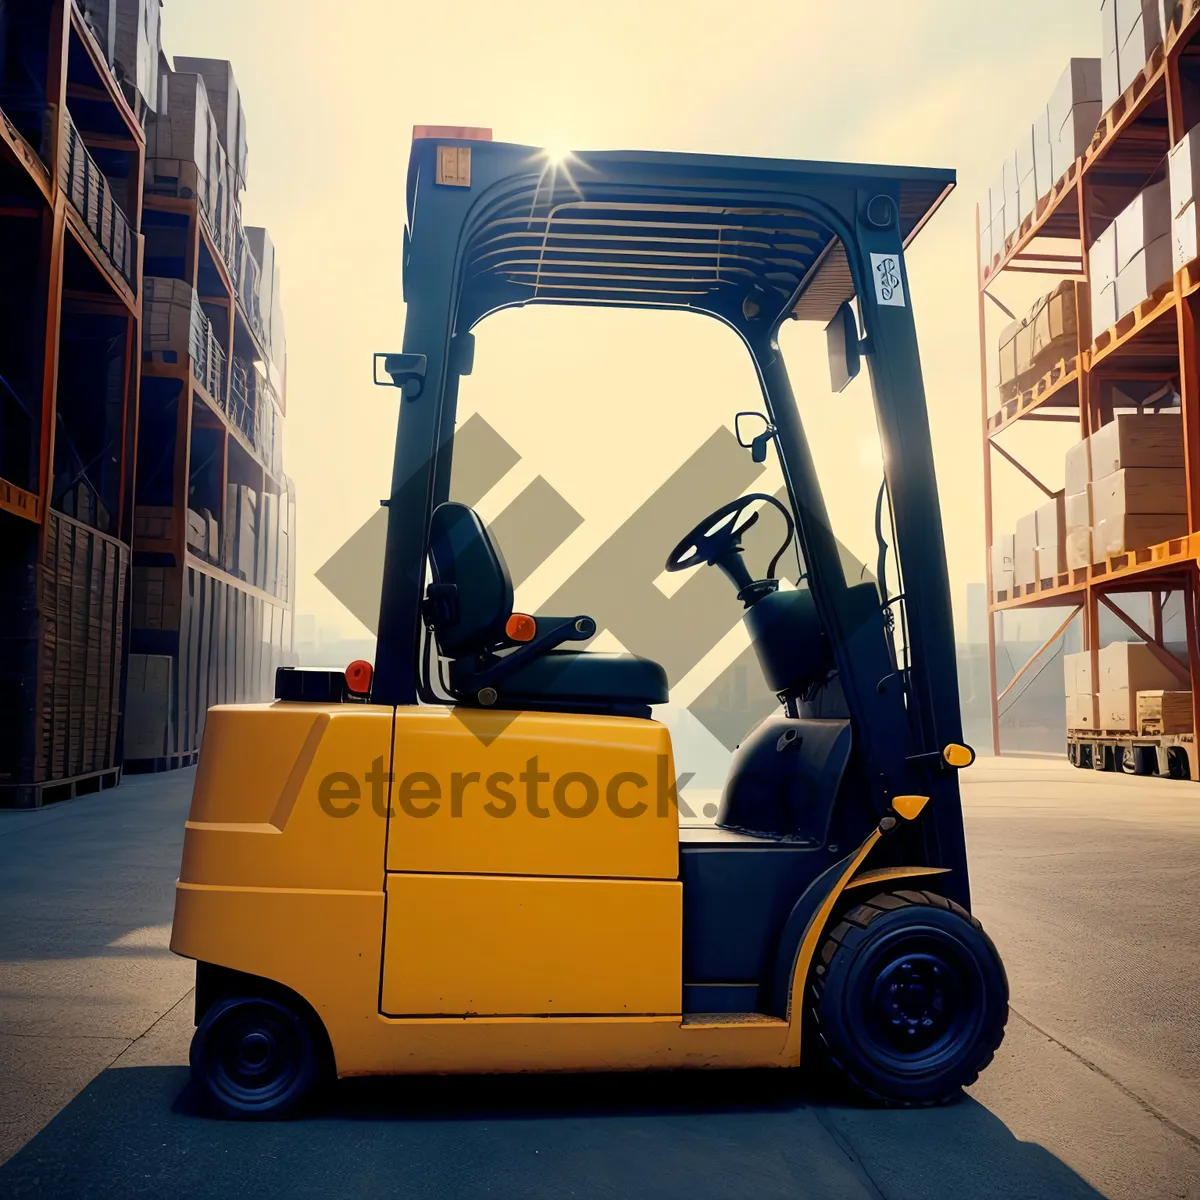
{"x":1157,"y":341}
{"x":73,"y":256}
{"x":226,"y":634}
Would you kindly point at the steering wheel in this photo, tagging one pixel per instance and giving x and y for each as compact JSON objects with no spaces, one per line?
{"x":715,"y":537}
{"x":718,"y":538}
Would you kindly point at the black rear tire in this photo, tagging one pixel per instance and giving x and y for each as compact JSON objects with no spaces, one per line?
{"x":909,"y":999}
{"x":256,"y":1057}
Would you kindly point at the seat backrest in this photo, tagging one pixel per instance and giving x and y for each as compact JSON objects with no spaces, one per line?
{"x":463,"y":556}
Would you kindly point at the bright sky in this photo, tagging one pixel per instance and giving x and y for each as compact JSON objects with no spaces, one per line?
{"x":331,"y":94}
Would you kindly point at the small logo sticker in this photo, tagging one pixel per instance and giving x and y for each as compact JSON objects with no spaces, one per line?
{"x":889,"y":286}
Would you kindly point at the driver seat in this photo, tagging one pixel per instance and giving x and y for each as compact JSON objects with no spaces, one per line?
{"x":469,"y":605}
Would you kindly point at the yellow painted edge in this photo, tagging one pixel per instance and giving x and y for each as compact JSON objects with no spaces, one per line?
{"x":231,"y":827}
{"x":281,"y":891}
{"x":808,"y":947}
{"x":888,"y":874}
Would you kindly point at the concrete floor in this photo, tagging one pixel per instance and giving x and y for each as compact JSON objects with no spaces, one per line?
{"x":1088,"y":884}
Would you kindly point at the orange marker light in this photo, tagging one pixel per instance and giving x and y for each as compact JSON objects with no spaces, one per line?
{"x":358,"y":677}
{"x":521,"y":628}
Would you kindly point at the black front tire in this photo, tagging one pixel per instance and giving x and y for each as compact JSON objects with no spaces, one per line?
{"x":909,"y":999}
{"x":256,"y":1057}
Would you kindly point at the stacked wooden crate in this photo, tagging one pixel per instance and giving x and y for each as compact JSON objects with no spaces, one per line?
{"x":83,"y":602}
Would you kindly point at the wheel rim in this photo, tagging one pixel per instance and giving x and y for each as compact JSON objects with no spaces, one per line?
{"x":922,"y":1002}
{"x":255,"y":1055}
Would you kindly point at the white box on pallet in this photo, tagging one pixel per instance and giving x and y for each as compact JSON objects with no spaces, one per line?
{"x":1079,"y":548}
{"x":1052,"y":537}
{"x":1012,"y":194}
{"x":1137,"y":490}
{"x":1073,"y":112}
{"x":1026,"y":164}
{"x":1102,"y":272}
{"x":1134,"y":667}
{"x":1140,"y":32}
{"x":1025,"y":565}
{"x":1043,"y":151}
{"x":1145,"y":220}
{"x":1185,"y":183}
{"x":1137,"y":440}
{"x":1078,"y":467}
{"x":1078,"y":519}
{"x":1002,"y":564}
{"x":1126,"y":532}
{"x":1081,"y":712}
{"x":1150,"y":269}
{"x":1077,"y":673}
{"x":1110,"y":72}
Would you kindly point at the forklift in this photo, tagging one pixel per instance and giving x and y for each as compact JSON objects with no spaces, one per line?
{"x":470,"y":856}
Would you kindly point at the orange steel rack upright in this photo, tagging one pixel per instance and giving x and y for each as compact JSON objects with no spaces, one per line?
{"x":70,"y":240}
{"x":1157,"y":341}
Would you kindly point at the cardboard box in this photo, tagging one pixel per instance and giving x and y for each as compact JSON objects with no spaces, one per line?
{"x":1139,"y":490}
{"x":1009,"y":370}
{"x":197,"y":532}
{"x":1012,"y":194}
{"x":1077,"y":510}
{"x":1185,"y":239}
{"x":1081,"y":712}
{"x":1143,"y":221}
{"x":1102,"y":272}
{"x":1028,"y":184}
{"x":1025,"y":565}
{"x":1002,"y":220}
{"x":181,"y":129}
{"x":1079,"y":548}
{"x":1054,"y":328}
{"x":1122,"y":534}
{"x":226,"y":104}
{"x":1137,"y":440}
{"x":1118,"y":710}
{"x":1163,"y":712}
{"x":1142,"y":38}
{"x":1077,"y":673}
{"x":1110,"y":73}
{"x":1150,"y":269}
{"x":1043,"y":150}
{"x":1074,"y":109}
{"x":1078,"y":467}
{"x":1052,"y":537}
{"x":136,"y":47}
{"x":1184,"y":171}
{"x":153,"y":523}
{"x":1134,"y":667}
{"x":148,"y":705}
{"x":1002,"y":563}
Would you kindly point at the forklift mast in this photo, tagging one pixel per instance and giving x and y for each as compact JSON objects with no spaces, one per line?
{"x":752,"y":243}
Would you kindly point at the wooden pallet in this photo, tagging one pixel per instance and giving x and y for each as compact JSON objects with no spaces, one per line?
{"x":1132,"y":323}
{"x":1166,"y":554}
{"x":168,"y":762}
{"x":1059,"y":376}
{"x":1041,"y":213}
{"x":35,"y":795}
{"x":1112,"y":121}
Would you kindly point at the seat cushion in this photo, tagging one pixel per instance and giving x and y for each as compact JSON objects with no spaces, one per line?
{"x":587,"y":676}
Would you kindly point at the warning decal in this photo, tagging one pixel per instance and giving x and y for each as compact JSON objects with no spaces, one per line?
{"x":889,"y":285}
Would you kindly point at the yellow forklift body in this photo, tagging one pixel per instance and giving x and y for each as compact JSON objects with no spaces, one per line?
{"x":490,"y":961}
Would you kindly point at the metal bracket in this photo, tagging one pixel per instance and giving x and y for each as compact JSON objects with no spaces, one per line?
{"x":405,"y":371}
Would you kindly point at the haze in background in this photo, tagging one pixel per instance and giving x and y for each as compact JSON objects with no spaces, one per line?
{"x":331,"y":94}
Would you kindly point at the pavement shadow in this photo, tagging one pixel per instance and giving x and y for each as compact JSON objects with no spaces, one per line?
{"x":141,"y":1131}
